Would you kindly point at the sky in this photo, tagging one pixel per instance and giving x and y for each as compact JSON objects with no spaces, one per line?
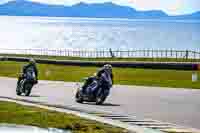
{"x":171,"y":7}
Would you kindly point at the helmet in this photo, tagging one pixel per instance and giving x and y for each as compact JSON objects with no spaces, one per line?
{"x":32,"y":61}
{"x":108,"y":67}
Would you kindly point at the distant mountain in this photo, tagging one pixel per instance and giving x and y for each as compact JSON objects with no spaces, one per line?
{"x":100,"y":10}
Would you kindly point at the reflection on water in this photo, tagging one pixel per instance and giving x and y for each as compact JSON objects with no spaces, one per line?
{"x":37,"y":32}
{"x":12,"y":128}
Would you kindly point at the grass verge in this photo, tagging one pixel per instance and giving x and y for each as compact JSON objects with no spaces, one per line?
{"x":104,"y":59}
{"x":26,"y":115}
{"x":125,"y":76}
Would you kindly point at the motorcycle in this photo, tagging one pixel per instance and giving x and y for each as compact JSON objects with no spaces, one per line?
{"x":26,"y":84}
{"x":96,"y":92}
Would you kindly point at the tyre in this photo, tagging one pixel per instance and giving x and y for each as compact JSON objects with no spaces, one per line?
{"x":27,"y":89}
{"x":18,"y":92}
{"x":100,"y":99}
{"x":79,"y":98}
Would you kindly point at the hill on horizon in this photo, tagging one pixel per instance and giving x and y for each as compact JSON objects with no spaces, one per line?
{"x":96,"y":10}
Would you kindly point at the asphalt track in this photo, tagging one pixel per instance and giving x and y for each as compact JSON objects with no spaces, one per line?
{"x":177,"y":106}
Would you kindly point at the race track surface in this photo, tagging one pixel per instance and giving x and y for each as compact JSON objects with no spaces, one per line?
{"x":177,"y":106}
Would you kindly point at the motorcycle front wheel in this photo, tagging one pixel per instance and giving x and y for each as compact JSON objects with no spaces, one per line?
{"x":78,"y":97}
{"x":18,"y":92}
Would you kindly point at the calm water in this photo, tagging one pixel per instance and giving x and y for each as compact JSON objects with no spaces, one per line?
{"x":37,"y":32}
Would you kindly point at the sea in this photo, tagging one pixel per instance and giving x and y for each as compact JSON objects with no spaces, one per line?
{"x":22,"y":32}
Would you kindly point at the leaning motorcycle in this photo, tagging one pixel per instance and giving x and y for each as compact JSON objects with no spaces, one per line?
{"x":26,"y":84}
{"x":96,"y":92}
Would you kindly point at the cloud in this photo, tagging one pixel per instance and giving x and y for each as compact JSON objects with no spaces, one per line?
{"x":169,"y":6}
{"x":4,"y":1}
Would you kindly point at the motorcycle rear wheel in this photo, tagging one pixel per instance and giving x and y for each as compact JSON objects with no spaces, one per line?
{"x":100,"y":99}
{"x":27,"y":89}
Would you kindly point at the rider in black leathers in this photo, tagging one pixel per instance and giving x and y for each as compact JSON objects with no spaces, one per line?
{"x":105,"y":69}
{"x":31,"y":65}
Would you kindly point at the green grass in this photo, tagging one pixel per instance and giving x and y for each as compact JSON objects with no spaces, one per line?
{"x":126,"y":76}
{"x":105,"y":59}
{"x":26,"y":115}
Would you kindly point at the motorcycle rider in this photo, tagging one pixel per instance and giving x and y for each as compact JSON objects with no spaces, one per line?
{"x":32,"y":66}
{"x":107,"y":69}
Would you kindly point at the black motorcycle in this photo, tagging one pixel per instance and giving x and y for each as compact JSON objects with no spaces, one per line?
{"x":96,"y":92}
{"x":26,"y":84}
